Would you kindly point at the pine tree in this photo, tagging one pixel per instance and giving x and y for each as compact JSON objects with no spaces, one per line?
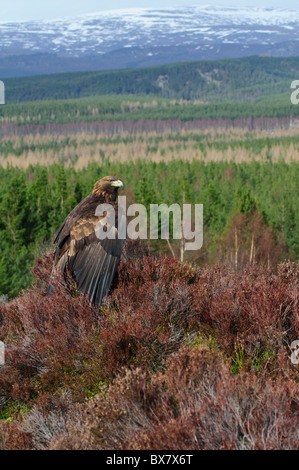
{"x":212,"y":204}
{"x":245,"y":202}
{"x":39,"y":198}
{"x":14,"y":213}
{"x":62,"y":185}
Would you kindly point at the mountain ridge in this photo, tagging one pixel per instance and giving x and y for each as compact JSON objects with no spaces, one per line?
{"x":141,"y":37}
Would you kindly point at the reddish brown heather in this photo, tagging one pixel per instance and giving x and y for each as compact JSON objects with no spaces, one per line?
{"x":178,"y":357}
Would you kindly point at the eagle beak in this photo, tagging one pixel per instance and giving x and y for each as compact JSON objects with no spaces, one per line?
{"x":117,"y":184}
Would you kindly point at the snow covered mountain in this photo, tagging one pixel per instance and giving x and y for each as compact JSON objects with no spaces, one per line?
{"x":144,"y":37}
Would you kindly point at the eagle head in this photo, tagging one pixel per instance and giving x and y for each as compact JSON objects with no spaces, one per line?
{"x":108,"y":185}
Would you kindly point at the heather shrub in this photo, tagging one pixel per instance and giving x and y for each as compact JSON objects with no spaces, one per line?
{"x":60,"y":341}
{"x":177,"y":357}
{"x":254,"y":310}
{"x":150,"y":306}
{"x":195,"y":404}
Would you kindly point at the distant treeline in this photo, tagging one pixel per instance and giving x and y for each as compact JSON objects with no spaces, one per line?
{"x":246,"y":79}
{"x":134,"y":108}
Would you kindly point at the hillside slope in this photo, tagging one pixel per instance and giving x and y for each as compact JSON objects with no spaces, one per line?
{"x":248,"y":79}
{"x":177,"y":358}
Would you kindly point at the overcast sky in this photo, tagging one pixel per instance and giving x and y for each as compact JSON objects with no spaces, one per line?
{"x":23,"y":10}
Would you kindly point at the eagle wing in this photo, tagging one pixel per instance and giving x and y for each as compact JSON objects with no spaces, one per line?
{"x":91,"y":261}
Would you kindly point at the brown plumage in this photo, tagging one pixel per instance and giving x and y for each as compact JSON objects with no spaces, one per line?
{"x":91,"y":261}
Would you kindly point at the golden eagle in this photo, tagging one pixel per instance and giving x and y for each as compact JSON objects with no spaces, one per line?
{"x":81,"y":249}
